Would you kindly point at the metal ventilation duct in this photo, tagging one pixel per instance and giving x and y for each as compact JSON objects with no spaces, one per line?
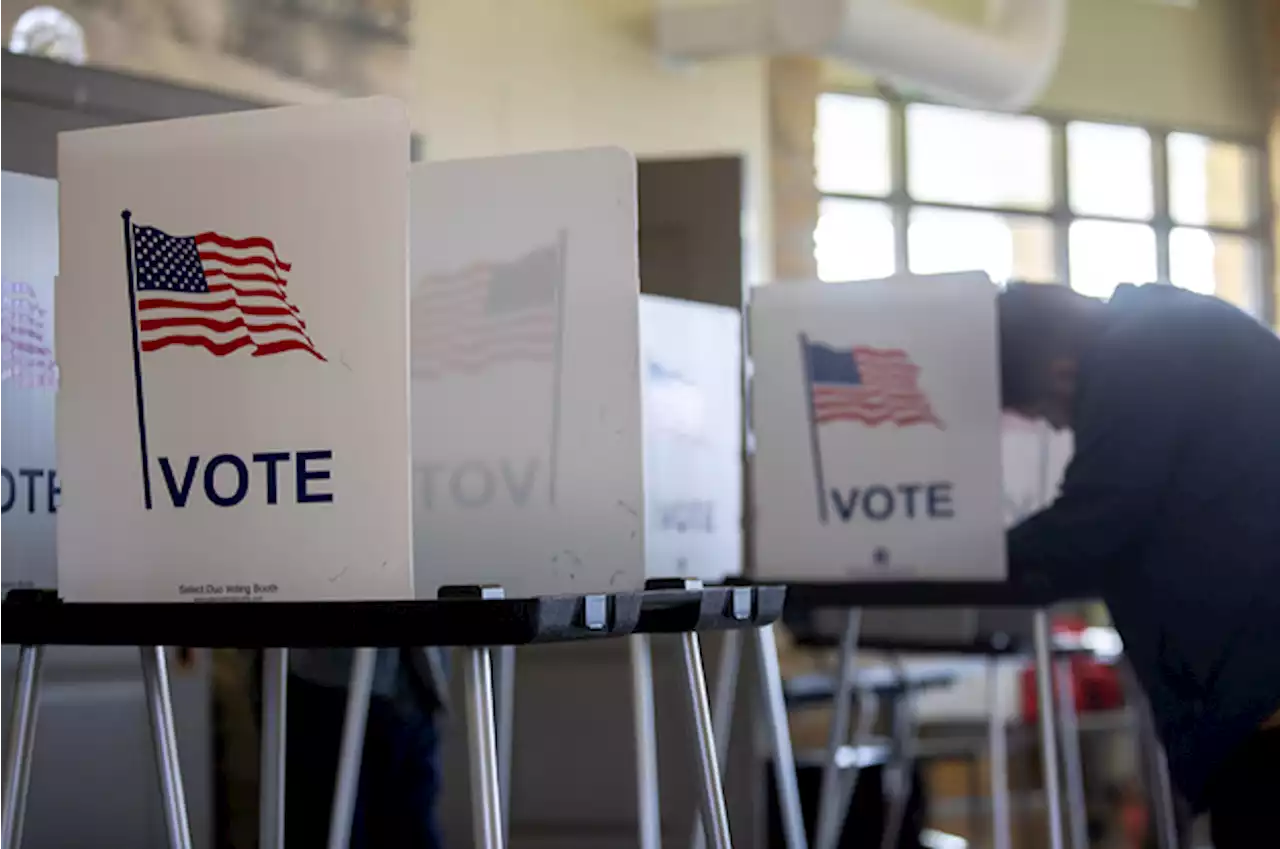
{"x":1004,"y":64}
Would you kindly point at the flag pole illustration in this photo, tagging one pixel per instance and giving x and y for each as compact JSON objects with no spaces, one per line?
{"x":557,"y":368}
{"x":207,"y":291}
{"x":815,"y":446}
{"x":872,"y":386}
{"x":127,"y":217}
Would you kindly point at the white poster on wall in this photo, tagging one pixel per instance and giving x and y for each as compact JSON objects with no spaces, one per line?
{"x":877,"y":421}
{"x":692,"y":378}
{"x":526,"y":377}
{"x":31,"y":488}
{"x":233,"y":345}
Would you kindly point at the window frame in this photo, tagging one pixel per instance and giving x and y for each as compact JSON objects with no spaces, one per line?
{"x":1059,"y":212}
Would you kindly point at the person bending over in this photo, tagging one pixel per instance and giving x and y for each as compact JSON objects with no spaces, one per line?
{"x":1170,"y":511}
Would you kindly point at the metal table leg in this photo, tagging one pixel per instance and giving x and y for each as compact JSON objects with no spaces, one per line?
{"x":504,"y":696}
{"x":646,"y":737}
{"x":22,"y":739}
{"x":1155,"y":763}
{"x":851,"y":767}
{"x":275,"y":684}
{"x":347,"y":783}
{"x":714,"y":812}
{"x":155,"y":680}
{"x":1048,"y":726}
{"x":784,"y":760}
{"x":1162,"y":797}
{"x":901,"y":773}
{"x":1068,"y":723}
{"x":725,"y":688}
{"x":486,"y":807}
{"x":998,"y":754}
{"x":830,"y":820}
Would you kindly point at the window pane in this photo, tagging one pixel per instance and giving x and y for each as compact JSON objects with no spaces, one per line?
{"x":1007,"y":247}
{"x":1211,"y":182}
{"x":981,"y":158}
{"x":854,"y":240}
{"x":852,"y":145}
{"x":1104,"y":254}
{"x":1109,"y":169}
{"x":1216,"y":264}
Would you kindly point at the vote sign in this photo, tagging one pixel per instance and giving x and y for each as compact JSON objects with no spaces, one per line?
{"x":876,"y":414}
{"x":691,"y":374}
{"x":30,"y":489}
{"x":233,"y":348}
{"x":526,"y":380}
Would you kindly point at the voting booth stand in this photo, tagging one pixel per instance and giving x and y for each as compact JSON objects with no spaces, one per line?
{"x":692,"y":377}
{"x":455,"y":462}
{"x":876,"y":405}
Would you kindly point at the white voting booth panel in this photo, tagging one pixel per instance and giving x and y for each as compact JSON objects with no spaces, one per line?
{"x":526,"y":376}
{"x":877,"y":424}
{"x":93,"y":700}
{"x":30,"y":382}
{"x":233,"y":350}
{"x":691,"y":374}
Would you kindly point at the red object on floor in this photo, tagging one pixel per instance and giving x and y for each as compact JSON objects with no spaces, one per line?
{"x":1095,"y":686}
{"x":1134,"y":820}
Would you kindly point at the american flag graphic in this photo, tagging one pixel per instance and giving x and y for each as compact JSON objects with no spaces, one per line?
{"x":214,"y":292}
{"x":489,"y":313}
{"x":28,"y":355}
{"x":868,"y":385}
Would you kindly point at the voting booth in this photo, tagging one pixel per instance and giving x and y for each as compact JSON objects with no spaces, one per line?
{"x":691,"y":376}
{"x":31,"y":487}
{"x":876,"y":413}
{"x":233,"y":415}
{"x":884,"y":476}
{"x":527,"y":440}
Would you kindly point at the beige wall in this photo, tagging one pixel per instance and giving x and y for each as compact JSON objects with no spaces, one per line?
{"x":500,"y":76}
{"x":1161,"y":63}
{"x":1144,"y":61}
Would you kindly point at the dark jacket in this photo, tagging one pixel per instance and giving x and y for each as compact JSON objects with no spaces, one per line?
{"x":1170,"y":509}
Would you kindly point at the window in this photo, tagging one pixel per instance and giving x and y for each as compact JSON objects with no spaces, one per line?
{"x":1219,"y":264}
{"x":852,"y":145}
{"x":929,"y":189}
{"x":1211,"y":182}
{"x":1007,"y":247}
{"x":1104,"y":254}
{"x":854,"y":240}
{"x":1110,"y":168}
{"x":978,"y":158}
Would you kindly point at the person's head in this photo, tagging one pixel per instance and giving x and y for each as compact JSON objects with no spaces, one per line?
{"x":1044,"y":330}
